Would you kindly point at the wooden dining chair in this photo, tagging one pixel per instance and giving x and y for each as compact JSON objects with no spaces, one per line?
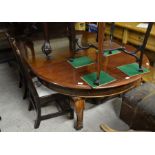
{"x":40,"y":95}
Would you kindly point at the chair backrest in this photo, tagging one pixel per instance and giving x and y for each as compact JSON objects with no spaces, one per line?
{"x":10,"y":40}
{"x":29,"y":48}
{"x":18,"y":47}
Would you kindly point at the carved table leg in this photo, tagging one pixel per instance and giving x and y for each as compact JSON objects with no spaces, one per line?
{"x":78,"y":105}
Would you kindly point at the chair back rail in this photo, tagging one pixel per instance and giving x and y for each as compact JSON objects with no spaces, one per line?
{"x":18,"y":47}
{"x":10,"y":40}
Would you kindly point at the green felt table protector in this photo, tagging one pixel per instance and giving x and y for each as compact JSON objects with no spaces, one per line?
{"x":106,"y":52}
{"x":81,"y":61}
{"x":132,"y":69}
{"x":105,"y":78}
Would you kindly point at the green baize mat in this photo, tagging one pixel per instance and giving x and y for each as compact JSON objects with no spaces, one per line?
{"x":81,"y":61}
{"x":132,"y":69}
{"x":106,"y":52}
{"x":105,"y":78}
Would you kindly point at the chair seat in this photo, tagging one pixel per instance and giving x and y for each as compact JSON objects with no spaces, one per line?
{"x":42,"y":90}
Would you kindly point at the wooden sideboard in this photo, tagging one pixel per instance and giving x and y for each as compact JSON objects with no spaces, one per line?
{"x":128,"y":32}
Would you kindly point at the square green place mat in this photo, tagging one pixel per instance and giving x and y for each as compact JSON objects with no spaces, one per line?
{"x":106,"y":52}
{"x":105,"y":78}
{"x":132,"y":69}
{"x":81,"y":61}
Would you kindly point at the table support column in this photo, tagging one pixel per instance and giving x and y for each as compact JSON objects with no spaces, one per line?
{"x":78,"y":104}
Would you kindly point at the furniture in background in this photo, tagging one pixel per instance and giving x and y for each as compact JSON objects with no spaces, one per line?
{"x":44,"y":31}
{"x":150,"y":77}
{"x":5,"y":52}
{"x":138,"y":108}
{"x":128,"y":32}
{"x":106,"y":128}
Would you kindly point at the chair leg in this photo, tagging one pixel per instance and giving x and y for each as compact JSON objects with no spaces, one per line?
{"x":20,"y":80}
{"x":71,"y":114}
{"x":30,"y":107}
{"x":38,"y":119}
{"x":38,"y":110}
{"x":37,"y":123}
{"x":20,"y":84}
{"x":9,"y":63}
{"x":25,"y":92}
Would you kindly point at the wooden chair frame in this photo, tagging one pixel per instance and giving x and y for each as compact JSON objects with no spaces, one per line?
{"x":22,"y":80}
{"x":35,"y":100}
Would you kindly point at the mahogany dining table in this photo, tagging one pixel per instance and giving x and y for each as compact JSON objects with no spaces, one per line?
{"x":57,"y":74}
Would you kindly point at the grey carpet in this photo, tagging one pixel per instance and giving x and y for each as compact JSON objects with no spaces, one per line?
{"x":17,"y":118}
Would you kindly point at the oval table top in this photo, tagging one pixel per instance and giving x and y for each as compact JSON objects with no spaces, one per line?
{"x":57,"y":74}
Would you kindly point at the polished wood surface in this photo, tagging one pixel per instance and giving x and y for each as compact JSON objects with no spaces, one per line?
{"x":58,"y":73}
